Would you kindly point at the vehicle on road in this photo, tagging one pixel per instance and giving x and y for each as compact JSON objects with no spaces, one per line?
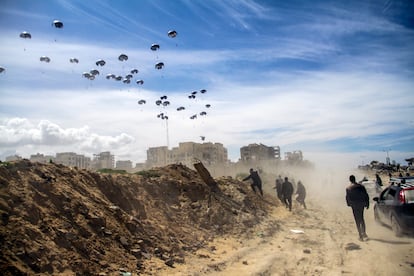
{"x":394,"y":207}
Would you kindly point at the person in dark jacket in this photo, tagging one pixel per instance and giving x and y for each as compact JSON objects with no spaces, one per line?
{"x":287,"y":192}
{"x":357,"y":198}
{"x":278,"y":187}
{"x":378,"y":183}
{"x":301,"y":192}
{"x":256,"y":181}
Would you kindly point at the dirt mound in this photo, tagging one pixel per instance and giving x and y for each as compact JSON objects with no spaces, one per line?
{"x":61,"y":220}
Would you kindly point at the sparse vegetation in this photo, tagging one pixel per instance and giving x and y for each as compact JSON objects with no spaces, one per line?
{"x":148,"y":173}
{"x":112,"y":171}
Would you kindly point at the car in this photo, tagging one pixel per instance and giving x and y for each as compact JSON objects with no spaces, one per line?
{"x":394,"y":207}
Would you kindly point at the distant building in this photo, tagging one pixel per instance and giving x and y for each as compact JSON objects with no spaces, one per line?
{"x":139,"y":167}
{"x":13,"y":158}
{"x":294,"y":156}
{"x":186,"y":153}
{"x":38,"y":157}
{"x":103,"y":160}
{"x":259,"y":152}
{"x":157,"y":156}
{"x":124,"y":165}
{"x":72,"y":159}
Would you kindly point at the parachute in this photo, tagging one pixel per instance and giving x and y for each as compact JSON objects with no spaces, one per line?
{"x":172,"y":33}
{"x":123,"y":57}
{"x":74,"y":60}
{"x":25,"y":35}
{"x":162,"y":116}
{"x":141,"y":82}
{"x":2,"y":69}
{"x":161,"y":102}
{"x":88,"y":76}
{"x":159,"y":65}
{"x":155,"y":47}
{"x":58,"y":24}
{"x":192,"y":95}
{"x":100,"y":62}
{"x":45,"y":59}
{"x":94,"y":72}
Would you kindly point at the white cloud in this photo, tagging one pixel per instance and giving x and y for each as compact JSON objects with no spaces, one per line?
{"x":292,"y":112}
{"x":18,"y":133}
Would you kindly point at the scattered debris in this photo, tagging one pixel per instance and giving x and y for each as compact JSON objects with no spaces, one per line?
{"x":352,"y":246}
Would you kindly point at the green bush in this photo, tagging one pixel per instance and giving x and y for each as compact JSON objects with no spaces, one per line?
{"x":112,"y":171}
{"x":149,"y":173}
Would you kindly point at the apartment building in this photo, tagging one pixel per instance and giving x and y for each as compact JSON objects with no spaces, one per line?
{"x":13,"y":158}
{"x":72,"y":159}
{"x":103,"y":160}
{"x":41,"y":158}
{"x":186,"y":152}
{"x":259,"y":152}
{"x":157,"y":156}
{"x":124,"y":165}
{"x":294,"y":156}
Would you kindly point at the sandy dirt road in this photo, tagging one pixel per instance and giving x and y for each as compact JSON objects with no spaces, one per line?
{"x":321,"y":240}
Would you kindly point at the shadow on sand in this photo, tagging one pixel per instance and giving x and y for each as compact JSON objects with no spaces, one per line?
{"x":389,"y":241}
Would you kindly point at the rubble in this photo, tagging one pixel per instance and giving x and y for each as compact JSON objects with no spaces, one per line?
{"x":57,"y":219}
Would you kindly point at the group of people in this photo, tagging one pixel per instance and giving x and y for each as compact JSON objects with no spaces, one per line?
{"x":356,"y":196}
{"x":284,"y":189}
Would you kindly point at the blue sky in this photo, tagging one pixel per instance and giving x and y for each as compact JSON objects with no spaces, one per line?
{"x":332,"y":79}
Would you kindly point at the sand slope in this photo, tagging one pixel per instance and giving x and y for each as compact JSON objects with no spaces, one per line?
{"x":64,"y":221}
